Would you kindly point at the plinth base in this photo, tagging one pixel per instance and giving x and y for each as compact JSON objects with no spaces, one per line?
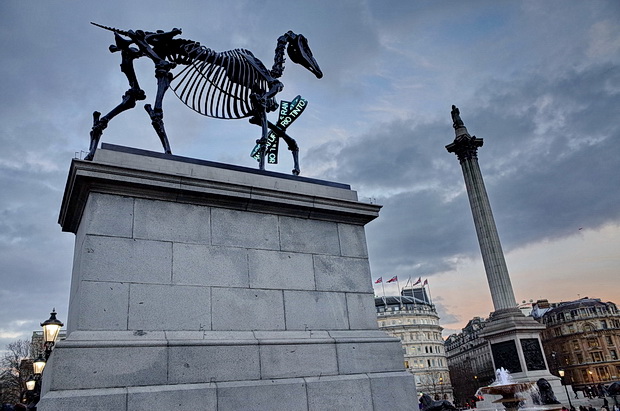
{"x":198,"y":286}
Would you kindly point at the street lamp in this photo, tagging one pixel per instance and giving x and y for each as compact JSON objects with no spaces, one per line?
{"x":51,"y":328}
{"x":38,"y":365}
{"x":561,"y":372}
{"x":441,"y":385}
{"x":30,"y":383}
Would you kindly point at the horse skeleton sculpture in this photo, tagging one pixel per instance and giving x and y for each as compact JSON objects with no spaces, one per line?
{"x":231,"y":84}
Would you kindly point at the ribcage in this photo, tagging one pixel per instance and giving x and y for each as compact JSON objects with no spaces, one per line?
{"x":218,"y":84}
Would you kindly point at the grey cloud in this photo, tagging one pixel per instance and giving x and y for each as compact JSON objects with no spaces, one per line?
{"x":549,"y":169}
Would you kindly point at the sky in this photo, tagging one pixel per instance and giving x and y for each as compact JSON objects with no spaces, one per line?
{"x":538,"y":81}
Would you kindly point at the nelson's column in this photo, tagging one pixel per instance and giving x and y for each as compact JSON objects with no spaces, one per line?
{"x":513,"y":337}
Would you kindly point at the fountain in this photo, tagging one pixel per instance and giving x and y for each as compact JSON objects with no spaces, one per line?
{"x":508,"y":389}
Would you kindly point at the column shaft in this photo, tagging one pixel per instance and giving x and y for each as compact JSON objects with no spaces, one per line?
{"x":488,"y":238}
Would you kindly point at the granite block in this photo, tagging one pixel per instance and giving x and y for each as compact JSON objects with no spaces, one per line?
{"x":172,"y":397}
{"x":110,"y":215}
{"x":207,"y":265}
{"x":213,"y":337}
{"x":91,"y":400}
{"x":169,"y":307}
{"x":361,"y":311}
{"x":101,"y":306}
{"x":244,"y":229}
{"x":126,"y":260}
{"x":281,"y":270}
{"x":110,"y":337}
{"x":246,"y":309}
{"x":171,"y":221}
{"x":273,"y":395}
{"x":393,"y":391}
{"x":352,"y":240}
{"x":314,"y":310}
{"x":339,"y":393}
{"x":364,"y":357}
{"x":100,"y":367}
{"x":309,"y":236}
{"x":291,"y":335}
{"x":212,"y":363}
{"x":297,"y":360}
{"x":342,"y":274}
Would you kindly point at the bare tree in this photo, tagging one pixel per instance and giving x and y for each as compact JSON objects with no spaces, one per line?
{"x":15,"y":368}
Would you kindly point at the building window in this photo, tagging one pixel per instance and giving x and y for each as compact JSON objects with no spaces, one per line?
{"x":576,"y":345}
{"x":557,"y":331}
{"x":579,"y":358}
{"x":603,"y":374}
{"x":593,"y":343}
{"x":571,"y":328}
{"x":603,"y":324}
{"x":597,"y":356}
{"x":610,"y":340}
{"x":614,"y":354}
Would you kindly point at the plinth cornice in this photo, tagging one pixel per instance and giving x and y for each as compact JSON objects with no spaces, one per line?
{"x":122,"y":173}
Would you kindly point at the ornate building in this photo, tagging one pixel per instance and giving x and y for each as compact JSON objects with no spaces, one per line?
{"x":413,"y":319}
{"x":583,"y":338}
{"x":469,"y":361}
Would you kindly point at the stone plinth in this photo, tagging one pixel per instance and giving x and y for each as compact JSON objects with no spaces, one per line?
{"x":204,"y":286}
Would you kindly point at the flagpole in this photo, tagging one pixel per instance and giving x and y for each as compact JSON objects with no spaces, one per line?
{"x":408,"y":281}
{"x":383,"y":286}
{"x":413,"y":291}
{"x":399,"y":293}
{"x":429,"y":293}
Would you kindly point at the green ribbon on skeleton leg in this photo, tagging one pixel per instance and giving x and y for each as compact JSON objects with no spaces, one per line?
{"x":289,"y":112}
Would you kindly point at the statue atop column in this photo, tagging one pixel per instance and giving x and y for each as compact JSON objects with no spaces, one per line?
{"x":456,"y":117}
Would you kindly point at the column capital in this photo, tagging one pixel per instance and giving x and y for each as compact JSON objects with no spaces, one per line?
{"x":465,"y":146}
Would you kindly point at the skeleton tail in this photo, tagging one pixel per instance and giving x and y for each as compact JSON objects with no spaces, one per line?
{"x":112,"y":29}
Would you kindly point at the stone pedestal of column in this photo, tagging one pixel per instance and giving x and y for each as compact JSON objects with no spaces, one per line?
{"x":211,"y":287}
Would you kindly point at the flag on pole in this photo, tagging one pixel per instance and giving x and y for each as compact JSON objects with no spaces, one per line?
{"x":425,"y":283}
{"x":391,"y":280}
{"x":418,"y":281}
{"x":379,"y":280}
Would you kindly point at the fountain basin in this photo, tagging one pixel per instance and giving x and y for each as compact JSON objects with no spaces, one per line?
{"x":507,"y":389}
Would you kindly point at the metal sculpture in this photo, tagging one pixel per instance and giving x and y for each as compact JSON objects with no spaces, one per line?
{"x":428,"y":404}
{"x":230,"y":84}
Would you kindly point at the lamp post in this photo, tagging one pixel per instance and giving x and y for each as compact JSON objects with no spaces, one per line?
{"x":441,"y":385}
{"x":51,"y":328}
{"x":561,"y":372}
{"x":31,"y":383}
{"x":38,"y":365}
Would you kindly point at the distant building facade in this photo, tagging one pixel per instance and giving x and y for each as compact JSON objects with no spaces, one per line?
{"x":37,"y":343}
{"x":582,"y":338}
{"x":469,"y":361}
{"x":413,"y":319}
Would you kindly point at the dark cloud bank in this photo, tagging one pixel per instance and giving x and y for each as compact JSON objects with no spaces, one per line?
{"x":551,"y":160}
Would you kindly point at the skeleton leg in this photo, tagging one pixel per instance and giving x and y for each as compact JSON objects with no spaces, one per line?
{"x":129,"y":98}
{"x":263,"y":139}
{"x":292,"y":145}
{"x":164,"y":77}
